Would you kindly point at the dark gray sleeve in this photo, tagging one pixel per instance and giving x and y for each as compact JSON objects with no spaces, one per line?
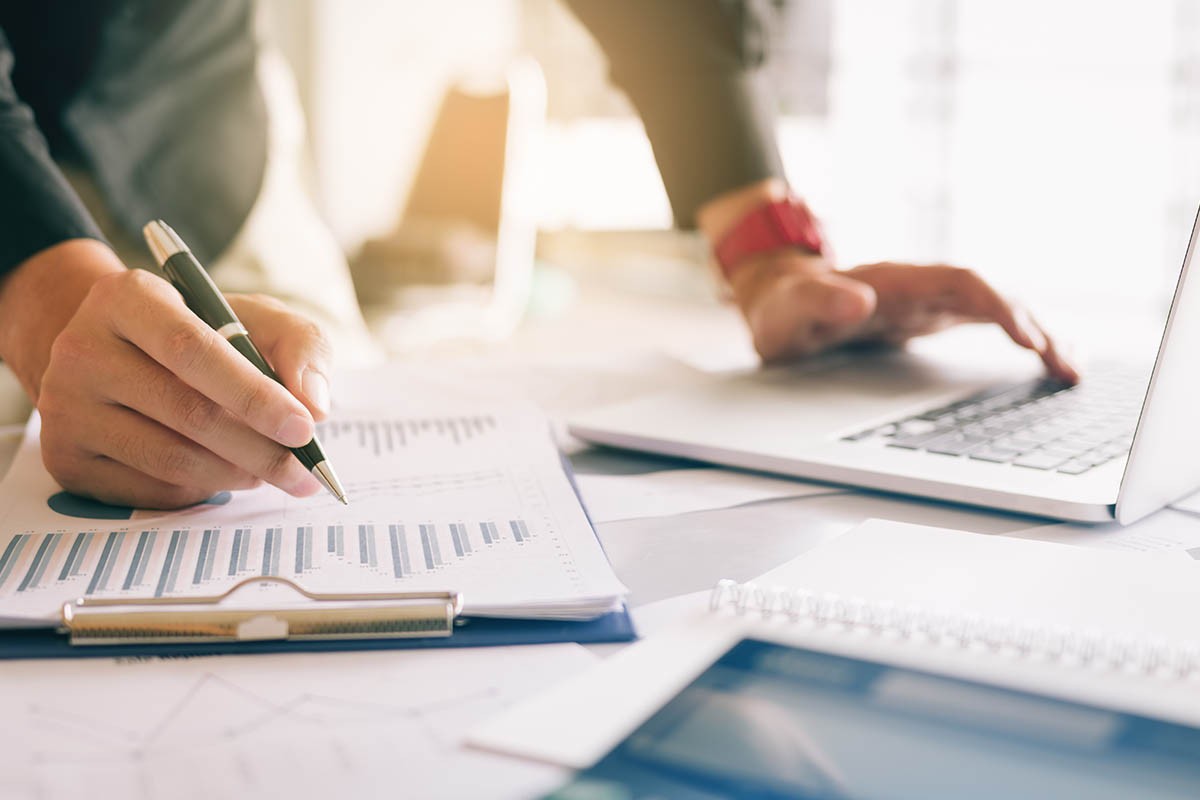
{"x":38,"y":208}
{"x":693,"y":69}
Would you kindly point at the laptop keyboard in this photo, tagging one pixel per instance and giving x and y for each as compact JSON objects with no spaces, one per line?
{"x":1042,"y":424}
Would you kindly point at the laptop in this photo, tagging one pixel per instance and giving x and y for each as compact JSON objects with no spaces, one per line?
{"x":1123,"y":443}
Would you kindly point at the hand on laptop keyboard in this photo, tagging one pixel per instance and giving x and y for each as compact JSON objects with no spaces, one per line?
{"x":797,"y":305}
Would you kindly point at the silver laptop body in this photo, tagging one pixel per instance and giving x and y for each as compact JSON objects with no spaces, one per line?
{"x":1121,"y":445}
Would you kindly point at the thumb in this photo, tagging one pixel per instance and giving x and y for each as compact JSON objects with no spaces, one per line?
{"x":805,"y":314}
{"x":294,"y":345}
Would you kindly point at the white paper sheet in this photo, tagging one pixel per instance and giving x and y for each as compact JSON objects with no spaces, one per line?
{"x":1168,"y":532}
{"x":352,"y":725}
{"x":475,"y":501}
{"x":1190,"y":504}
{"x":611,"y":498}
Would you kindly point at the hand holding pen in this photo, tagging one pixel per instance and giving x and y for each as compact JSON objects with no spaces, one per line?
{"x":143,"y":404}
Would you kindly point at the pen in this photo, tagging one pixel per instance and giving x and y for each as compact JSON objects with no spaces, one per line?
{"x":206,"y":301}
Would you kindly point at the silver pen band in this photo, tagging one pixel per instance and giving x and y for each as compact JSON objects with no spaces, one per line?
{"x":231,"y":329}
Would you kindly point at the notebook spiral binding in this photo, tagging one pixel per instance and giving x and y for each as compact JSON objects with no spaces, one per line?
{"x":1054,"y":644}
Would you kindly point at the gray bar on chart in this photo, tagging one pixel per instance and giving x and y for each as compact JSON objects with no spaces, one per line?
{"x":404,"y":560}
{"x":77,"y":568}
{"x":366,"y":546}
{"x":271,"y":548}
{"x":341,"y":541}
{"x":300,"y":550}
{"x":244,"y":550}
{"x":207,"y":545}
{"x":485,"y":533}
{"x":427,"y":545}
{"x":235,"y":552}
{"x":212,"y":555}
{"x":38,"y":568}
{"x":78,"y":552}
{"x":516,"y":529}
{"x":465,"y":538}
{"x":395,"y":532}
{"x":151,"y":540}
{"x":137,"y":567}
{"x":170,"y":567}
{"x":108,"y":557}
{"x":266,"y":559}
{"x":331,"y":539}
{"x":458,"y":548}
{"x":304,"y":548}
{"x":433,"y":543}
{"x":12,"y":553}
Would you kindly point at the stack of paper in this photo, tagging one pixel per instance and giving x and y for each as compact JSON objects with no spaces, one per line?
{"x":475,"y":502}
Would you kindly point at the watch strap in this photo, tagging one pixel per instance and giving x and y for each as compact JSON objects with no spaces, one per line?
{"x":775,"y":225}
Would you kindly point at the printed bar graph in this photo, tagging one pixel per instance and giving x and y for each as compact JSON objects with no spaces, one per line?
{"x":400,"y":563}
{"x":141,"y":555}
{"x":208,"y":555}
{"x":37,"y":569}
{"x":210,"y":558}
{"x":430,"y":548}
{"x":462,"y":543}
{"x":366,"y":546}
{"x":235,"y":551}
{"x":271,"y":547}
{"x":170,"y":567}
{"x":78,"y":552}
{"x":489,"y":532}
{"x":11,"y":555}
{"x":304,"y":548}
{"x":519,"y":530}
{"x":104,"y":567}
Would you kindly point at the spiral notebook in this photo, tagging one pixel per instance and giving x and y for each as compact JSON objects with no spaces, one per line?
{"x":1094,"y":626}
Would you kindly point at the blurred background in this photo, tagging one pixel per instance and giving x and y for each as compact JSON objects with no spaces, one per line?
{"x":1051,"y":144}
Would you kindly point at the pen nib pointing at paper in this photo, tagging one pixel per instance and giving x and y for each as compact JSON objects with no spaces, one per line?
{"x":329,"y":480}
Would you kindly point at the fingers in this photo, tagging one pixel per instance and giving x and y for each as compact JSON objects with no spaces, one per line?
{"x":149,"y":314}
{"x":144,"y":386}
{"x":798,"y":315}
{"x":294,"y":345}
{"x":142,"y":404}
{"x":117,"y":484}
{"x":917,"y":300}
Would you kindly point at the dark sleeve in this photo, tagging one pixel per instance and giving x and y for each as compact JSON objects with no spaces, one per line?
{"x":693,"y":69}
{"x":38,"y":208}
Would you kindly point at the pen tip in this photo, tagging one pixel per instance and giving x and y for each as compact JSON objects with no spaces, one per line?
{"x":345,"y":502}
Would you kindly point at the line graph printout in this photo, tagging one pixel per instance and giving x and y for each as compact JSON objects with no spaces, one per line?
{"x":477,"y":503}
{"x":353,"y":725}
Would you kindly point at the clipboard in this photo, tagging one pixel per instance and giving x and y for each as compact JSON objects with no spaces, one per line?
{"x":400,"y":620}
{"x":197,"y":626}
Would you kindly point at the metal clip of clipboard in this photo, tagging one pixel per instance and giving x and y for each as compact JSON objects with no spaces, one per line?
{"x":343,"y":615}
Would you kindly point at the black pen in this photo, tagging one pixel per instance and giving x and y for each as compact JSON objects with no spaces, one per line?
{"x":206,"y":301}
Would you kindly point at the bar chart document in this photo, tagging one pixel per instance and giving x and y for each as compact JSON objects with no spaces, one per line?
{"x":476,"y":502}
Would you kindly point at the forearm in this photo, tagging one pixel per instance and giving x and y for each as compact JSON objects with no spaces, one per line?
{"x":693,"y":70}
{"x":40,"y":296}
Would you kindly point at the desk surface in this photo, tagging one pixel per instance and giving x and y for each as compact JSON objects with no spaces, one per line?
{"x":597,"y":352}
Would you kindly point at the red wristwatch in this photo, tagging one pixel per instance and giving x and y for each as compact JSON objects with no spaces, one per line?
{"x":771,"y":226}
